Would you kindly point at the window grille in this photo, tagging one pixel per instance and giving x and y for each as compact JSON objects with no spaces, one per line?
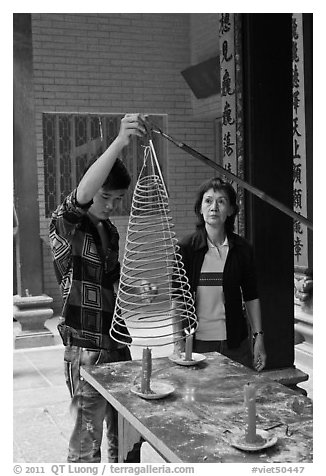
{"x":71,"y":141}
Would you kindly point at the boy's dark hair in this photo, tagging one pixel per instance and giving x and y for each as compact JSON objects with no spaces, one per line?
{"x":217,"y":184}
{"x":118,"y":178}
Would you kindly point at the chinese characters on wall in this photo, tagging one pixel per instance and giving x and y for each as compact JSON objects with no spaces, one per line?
{"x":230,"y":35}
{"x":231,"y":102}
{"x":299,"y":146}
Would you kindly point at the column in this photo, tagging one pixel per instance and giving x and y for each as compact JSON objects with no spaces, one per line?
{"x":31,"y":307}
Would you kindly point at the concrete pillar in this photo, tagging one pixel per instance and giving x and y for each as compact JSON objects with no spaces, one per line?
{"x":29,"y":273}
{"x":32,"y":312}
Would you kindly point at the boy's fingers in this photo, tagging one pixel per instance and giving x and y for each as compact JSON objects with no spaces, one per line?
{"x":134,"y":124}
{"x":134,"y":127}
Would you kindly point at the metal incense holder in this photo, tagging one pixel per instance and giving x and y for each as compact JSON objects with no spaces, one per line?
{"x":154,"y":305}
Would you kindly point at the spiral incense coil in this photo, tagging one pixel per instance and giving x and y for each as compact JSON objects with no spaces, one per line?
{"x":154,"y":302}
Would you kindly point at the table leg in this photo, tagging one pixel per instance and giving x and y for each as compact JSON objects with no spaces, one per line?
{"x":128,"y":437}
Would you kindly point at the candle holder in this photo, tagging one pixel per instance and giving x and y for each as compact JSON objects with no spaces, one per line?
{"x":188,"y":357}
{"x":147,"y":389}
{"x":266,"y":441}
{"x":253,"y":439}
{"x":180,"y":359}
{"x":154,"y":302}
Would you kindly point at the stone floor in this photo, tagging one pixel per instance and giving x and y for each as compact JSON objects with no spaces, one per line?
{"x":41,"y":421}
{"x":41,"y":418}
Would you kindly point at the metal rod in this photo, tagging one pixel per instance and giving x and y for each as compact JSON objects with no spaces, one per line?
{"x":254,"y":190}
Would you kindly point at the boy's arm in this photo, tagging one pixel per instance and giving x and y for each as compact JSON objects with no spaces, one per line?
{"x":92,"y":181}
{"x":62,"y":227}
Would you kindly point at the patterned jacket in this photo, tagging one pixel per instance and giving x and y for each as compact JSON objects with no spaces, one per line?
{"x":85,"y":272}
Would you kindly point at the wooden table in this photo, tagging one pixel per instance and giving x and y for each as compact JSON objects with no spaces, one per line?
{"x":206,"y":410}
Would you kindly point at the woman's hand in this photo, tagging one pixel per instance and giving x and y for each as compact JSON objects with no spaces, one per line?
{"x":259,"y":353}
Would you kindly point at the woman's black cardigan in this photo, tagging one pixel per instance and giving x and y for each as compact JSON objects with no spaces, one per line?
{"x":239,"y":278}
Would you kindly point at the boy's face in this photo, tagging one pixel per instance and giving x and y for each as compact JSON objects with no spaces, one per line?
{"x":105,"y":201}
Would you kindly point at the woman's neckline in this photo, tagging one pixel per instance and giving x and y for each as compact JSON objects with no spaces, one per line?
{"x":215,"y":245}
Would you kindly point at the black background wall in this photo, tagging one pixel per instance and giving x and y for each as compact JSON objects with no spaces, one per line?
{"x":267,"y":61}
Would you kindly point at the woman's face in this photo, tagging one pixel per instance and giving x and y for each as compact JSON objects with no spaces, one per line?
{"x":215,"y":207}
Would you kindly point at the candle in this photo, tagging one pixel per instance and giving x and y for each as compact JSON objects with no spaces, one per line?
{"x":146,"y":371}
{"x":189,"y":343}
{"x":176,"y":328}
{"x":250,"y":404}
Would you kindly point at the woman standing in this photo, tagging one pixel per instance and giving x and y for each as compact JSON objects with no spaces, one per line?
{"x":220,"y":268}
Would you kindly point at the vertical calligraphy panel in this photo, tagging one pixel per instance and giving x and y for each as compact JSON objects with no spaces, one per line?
{"x":231,"y":102}
{"x":299,"y":143}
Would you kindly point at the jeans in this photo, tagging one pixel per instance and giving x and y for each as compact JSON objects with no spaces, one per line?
{"x":241,"y":354}
{"x":89,"y":408}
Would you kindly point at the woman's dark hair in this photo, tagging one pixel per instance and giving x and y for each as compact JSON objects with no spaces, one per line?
{"x":217,"y":184}
{"x":118,"y":178}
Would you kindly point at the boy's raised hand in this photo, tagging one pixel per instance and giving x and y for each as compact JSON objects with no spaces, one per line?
{"x":131,"y":124}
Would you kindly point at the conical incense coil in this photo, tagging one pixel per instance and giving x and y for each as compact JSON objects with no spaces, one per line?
{"x":154,"y":301}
